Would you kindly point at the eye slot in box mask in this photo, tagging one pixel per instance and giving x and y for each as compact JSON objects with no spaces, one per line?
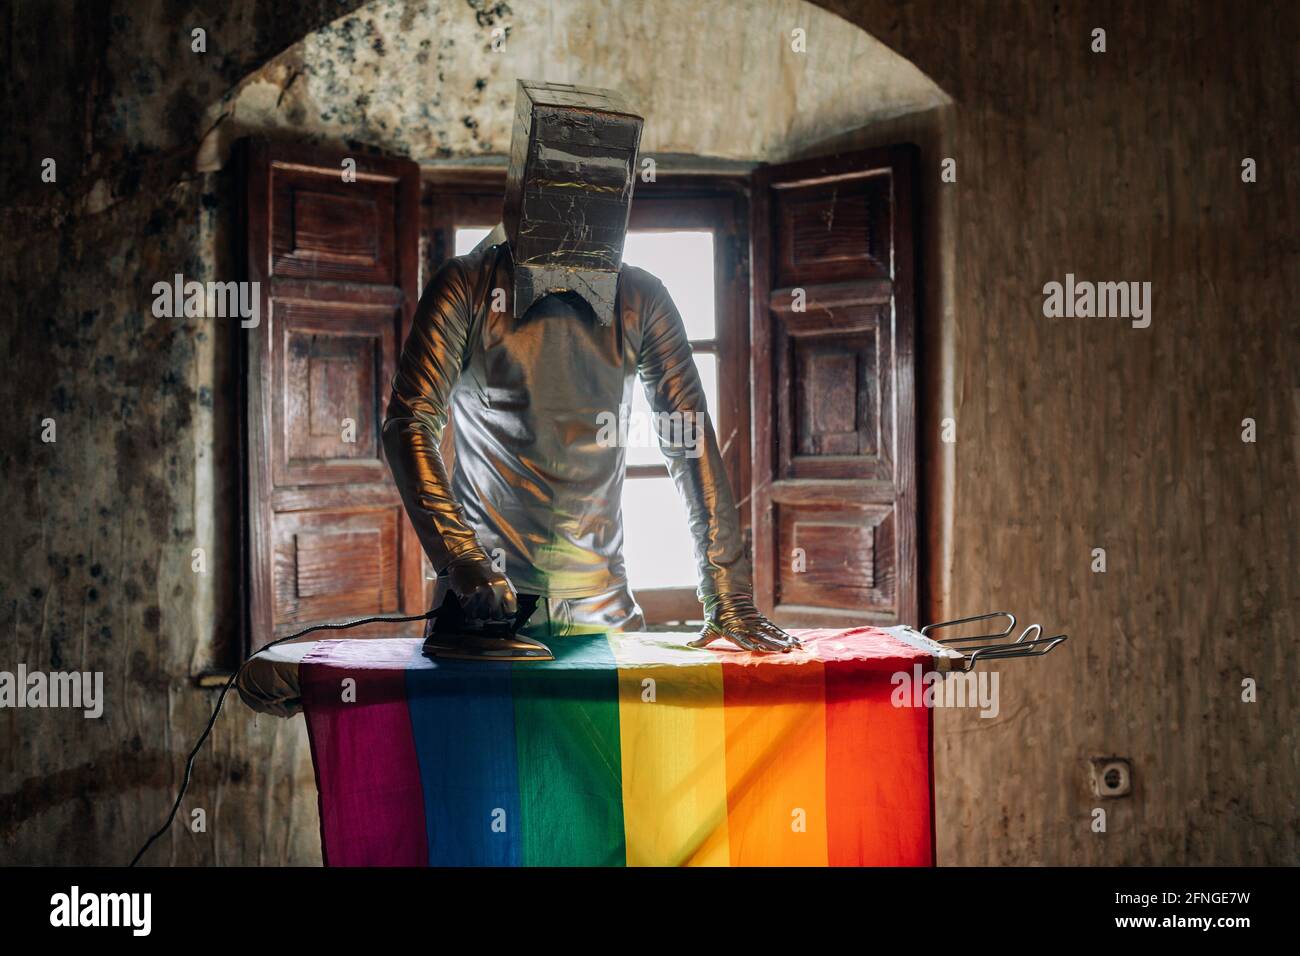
{"x":572,"y":168}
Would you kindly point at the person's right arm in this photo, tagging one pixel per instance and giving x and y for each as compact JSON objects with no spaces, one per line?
{"x":430,"y":365}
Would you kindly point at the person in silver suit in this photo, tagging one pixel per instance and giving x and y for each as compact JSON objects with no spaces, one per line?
{"x":529,"y":344}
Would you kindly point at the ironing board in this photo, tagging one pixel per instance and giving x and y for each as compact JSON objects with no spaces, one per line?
{"x":628,"y":749}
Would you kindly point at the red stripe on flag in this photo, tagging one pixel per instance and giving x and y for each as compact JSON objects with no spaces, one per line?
{"x":878,"y":800}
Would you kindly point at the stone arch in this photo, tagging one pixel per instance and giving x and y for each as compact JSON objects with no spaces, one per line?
{"x":434,"y":80}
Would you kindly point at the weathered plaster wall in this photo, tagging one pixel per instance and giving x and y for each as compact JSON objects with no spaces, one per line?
{"x":1081,"y":434}
{"x":427,"y":80}
{"x":95,"y":569}
{"x":1071,"y":434}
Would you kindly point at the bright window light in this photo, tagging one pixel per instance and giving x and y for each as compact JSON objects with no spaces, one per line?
{"x":683,"y":261}
{"x":467,"y":237}
{"x":657,"y":545}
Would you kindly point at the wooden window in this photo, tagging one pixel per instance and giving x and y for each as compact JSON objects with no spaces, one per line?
{"x":812,"y":356}
{"x":325,"y":534}
{"x":834,"y":407}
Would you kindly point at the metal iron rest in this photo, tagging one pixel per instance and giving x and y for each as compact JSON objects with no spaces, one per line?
{"x":989,"y":647}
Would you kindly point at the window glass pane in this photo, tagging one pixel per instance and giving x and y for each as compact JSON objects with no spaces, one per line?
{"x":683,"y":261}
{"x":657,"y":540}
{"x":646,"y":451}
{"x":467,"y":237}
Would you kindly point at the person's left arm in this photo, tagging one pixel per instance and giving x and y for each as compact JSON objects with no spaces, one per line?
{"x":690,"y":445}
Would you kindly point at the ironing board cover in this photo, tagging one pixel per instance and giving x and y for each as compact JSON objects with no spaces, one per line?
{"x":628,"y":749}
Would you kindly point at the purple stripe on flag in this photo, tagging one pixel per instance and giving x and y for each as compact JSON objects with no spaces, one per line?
{"x":367,"y":771}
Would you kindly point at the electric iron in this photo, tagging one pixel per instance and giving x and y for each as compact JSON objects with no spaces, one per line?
{"x":449,"y":635}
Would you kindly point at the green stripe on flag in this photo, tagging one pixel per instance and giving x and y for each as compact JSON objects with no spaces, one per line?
{"x":570,"y":762}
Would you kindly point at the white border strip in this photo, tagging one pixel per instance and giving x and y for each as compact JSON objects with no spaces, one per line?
{"x":945,"y":658}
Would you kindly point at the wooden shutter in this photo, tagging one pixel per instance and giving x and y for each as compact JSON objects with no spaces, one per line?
{"x":834,"y":408}
{"x":326,"y":537}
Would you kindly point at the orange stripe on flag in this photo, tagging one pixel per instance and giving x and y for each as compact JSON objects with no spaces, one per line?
{"x":776,"y":761}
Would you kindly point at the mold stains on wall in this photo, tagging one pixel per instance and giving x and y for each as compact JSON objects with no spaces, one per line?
{"x":95,"y":570}
{"x":434,"y":79}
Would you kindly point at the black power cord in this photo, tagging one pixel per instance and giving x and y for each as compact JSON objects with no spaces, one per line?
{"x":189,"y":764}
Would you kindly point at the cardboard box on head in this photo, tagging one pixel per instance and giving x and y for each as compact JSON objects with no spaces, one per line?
{"x":572,"y":168}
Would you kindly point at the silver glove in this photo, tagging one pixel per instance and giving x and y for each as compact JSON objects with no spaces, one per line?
{"x":734,"y":617}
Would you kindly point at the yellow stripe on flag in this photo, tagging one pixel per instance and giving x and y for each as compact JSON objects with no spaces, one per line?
{"x":672,"y":733}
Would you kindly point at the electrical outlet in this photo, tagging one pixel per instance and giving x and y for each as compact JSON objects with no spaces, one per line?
{"x":1112,"y":776}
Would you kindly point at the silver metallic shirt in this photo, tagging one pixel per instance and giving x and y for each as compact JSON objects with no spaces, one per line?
{"x":534,"y":473}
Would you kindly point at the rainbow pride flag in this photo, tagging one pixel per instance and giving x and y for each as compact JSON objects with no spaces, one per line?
{"x":628,"y":749}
